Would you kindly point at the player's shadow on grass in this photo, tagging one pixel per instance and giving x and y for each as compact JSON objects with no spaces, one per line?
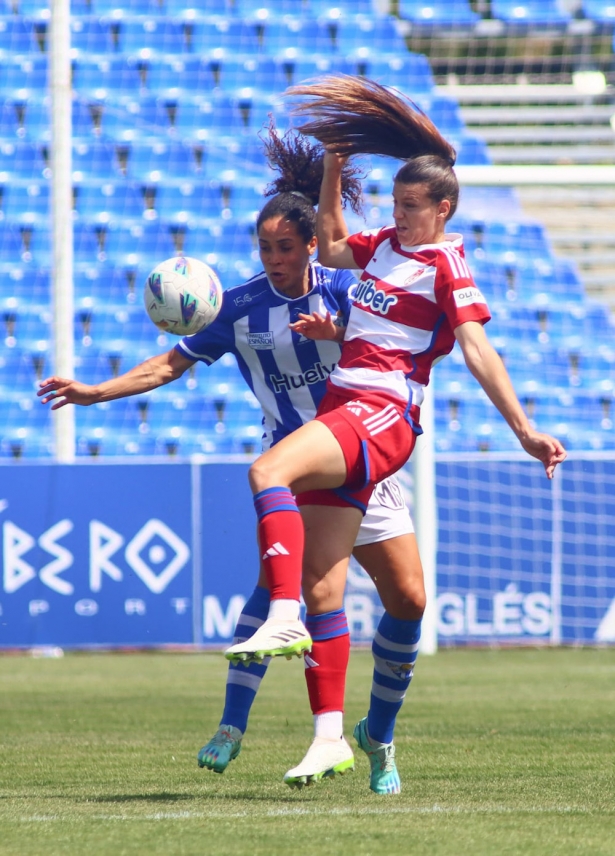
{"x":162,"y":797}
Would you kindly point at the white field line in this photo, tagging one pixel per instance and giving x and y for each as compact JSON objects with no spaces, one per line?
{"x":301,"y":811}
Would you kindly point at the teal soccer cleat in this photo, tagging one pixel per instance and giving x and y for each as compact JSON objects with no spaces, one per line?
{"x":223,"y":748}
{"x":384,"y":778}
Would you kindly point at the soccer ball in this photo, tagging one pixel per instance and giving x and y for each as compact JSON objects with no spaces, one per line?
{"x":182,"y":296}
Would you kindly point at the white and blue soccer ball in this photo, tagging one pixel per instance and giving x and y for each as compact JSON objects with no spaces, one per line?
{"x":182,"y":296}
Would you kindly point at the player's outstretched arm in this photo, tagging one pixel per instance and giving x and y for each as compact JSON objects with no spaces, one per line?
{"x":331,"y":229}
{"x":148,"y":375}
{"x":314,"y":326}
{"x":489,"y":370}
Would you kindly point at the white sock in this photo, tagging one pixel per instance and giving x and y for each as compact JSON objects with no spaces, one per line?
{"x":284,"y":609}
{"x":329,"y":725}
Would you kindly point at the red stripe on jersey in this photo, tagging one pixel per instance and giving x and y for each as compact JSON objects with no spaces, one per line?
{"x":361,"y":354}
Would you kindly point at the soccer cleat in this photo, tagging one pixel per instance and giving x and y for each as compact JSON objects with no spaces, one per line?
{"x":384,"y":778}
{"x":223,"y":748}
{"x":274,"y":638}
{"x":324,"y":759}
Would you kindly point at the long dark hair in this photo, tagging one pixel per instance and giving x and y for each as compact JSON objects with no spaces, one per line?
{"x":295,"y":191}
{"x":355,"y":115}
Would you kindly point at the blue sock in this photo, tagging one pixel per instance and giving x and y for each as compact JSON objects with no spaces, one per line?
{"x":395,"y":649}
{"x":242,"y":683}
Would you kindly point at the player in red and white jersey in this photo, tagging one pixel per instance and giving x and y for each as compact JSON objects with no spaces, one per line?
{"x":414,"y":300}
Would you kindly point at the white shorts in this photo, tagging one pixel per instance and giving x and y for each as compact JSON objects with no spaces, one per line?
{"x":387,"y":514}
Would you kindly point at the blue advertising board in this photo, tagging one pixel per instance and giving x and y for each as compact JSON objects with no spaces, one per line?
{"x":112,"y":555}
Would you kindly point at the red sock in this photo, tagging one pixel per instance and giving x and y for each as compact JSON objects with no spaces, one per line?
{"x":325,"y":673}
{"x":281,"y":537}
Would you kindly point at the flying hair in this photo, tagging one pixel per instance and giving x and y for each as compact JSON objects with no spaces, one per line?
{"x":299,"y":165}
{"x":354,"y":115}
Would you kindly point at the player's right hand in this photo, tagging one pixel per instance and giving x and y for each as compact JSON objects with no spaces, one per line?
{"x":62,"y":391}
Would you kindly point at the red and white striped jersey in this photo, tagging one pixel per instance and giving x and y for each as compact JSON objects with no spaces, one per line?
{"x":406,"y":306}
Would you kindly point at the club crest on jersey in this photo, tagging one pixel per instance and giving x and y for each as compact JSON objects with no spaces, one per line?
{"x":468,"y":296}
{"x":375,"y":298}
{"x":261,"y":341}
{"x":414,"y":276}
{"x":402,"y":670}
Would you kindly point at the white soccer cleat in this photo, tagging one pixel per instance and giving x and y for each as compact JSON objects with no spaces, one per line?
{"x":324,"y":759}
{"x":274,"y":638}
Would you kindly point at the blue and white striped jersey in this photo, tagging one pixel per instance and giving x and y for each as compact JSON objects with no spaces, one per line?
{"x":286,"y":371}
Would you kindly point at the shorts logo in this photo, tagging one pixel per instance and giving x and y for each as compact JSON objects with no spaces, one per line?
{"x":261,"y":341}
{"x":467,"y":296}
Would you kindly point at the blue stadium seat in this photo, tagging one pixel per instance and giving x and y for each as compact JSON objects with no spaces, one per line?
{"x":304,"y":66}
{"x":22,"y":160}
{"x":100,"y":322}
{"x":195,"y":120}
{"x":25,"y":285}
{"x":444,"y":113}
{"x":23,"y":77}
{"x":148,"y":239}
{"x":102,"y":281}
{"x":242,"y":197}
{"x":339,"y":8}
{"x":161,"y":161}
{"x":439,"y":12}
{"x":480,"y":202}
{"x":17,"y":36}
{"x":98,"y":78}
{"x":26,"y":203}
{"x":471,"y":150}
{"x":205,"y":37}
{"x":294,"y":37}
{"x":143,"y":37}
{"x":109,"y":202}
{"x":87,"y":239}
{"x":227,"y":158}
{"x":528,"y":12}
{"x":410,"y":73}
{"x":263,"y":73}
{"x":117,"y":9}
{"x":89,"y":35}
{"x":189,"y":202}
{"x":267,"y":9}
{"x":145,"y":118}
{"x":516,"y":241}
{"x":97,"y":159}
{"x":178,"y":77}
{"x":377,"y":34}
{"x":190,"y":11}
{"x":602,"y":11}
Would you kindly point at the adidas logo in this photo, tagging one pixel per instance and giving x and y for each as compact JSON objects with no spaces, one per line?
{"x":276,"y":550}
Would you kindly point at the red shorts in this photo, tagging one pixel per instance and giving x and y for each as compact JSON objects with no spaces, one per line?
{"x":377,"y":434}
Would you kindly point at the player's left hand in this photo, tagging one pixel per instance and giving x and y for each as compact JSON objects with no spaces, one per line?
{"x":314,"y":326}
{"x":547,"y":449}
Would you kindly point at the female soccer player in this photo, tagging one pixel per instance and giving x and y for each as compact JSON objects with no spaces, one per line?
{"x":287,"y":372}
{"x":415,"y":298}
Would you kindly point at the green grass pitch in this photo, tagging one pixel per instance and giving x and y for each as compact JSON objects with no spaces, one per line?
{"x":500,"y":752}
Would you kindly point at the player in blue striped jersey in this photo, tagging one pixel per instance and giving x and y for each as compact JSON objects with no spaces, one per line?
{"x":287,"y":373}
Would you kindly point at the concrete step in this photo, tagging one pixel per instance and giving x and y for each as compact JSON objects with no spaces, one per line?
{"x":557,"y":94}
{"x":532,"y":134}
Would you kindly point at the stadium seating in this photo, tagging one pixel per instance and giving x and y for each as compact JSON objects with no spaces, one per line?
{"x":438,"y":12}
{"x":530,"y":12}
{"x":169,"y":99}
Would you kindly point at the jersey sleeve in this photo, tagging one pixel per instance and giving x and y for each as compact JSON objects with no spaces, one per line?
{"x":457,"y":293}
{"x":343,"y":283}
{"x":363,"y":246}
{"x":211,"y":343}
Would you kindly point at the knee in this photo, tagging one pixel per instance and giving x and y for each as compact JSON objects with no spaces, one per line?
{"x":262,"y":474}
{"x":406,"y":603}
